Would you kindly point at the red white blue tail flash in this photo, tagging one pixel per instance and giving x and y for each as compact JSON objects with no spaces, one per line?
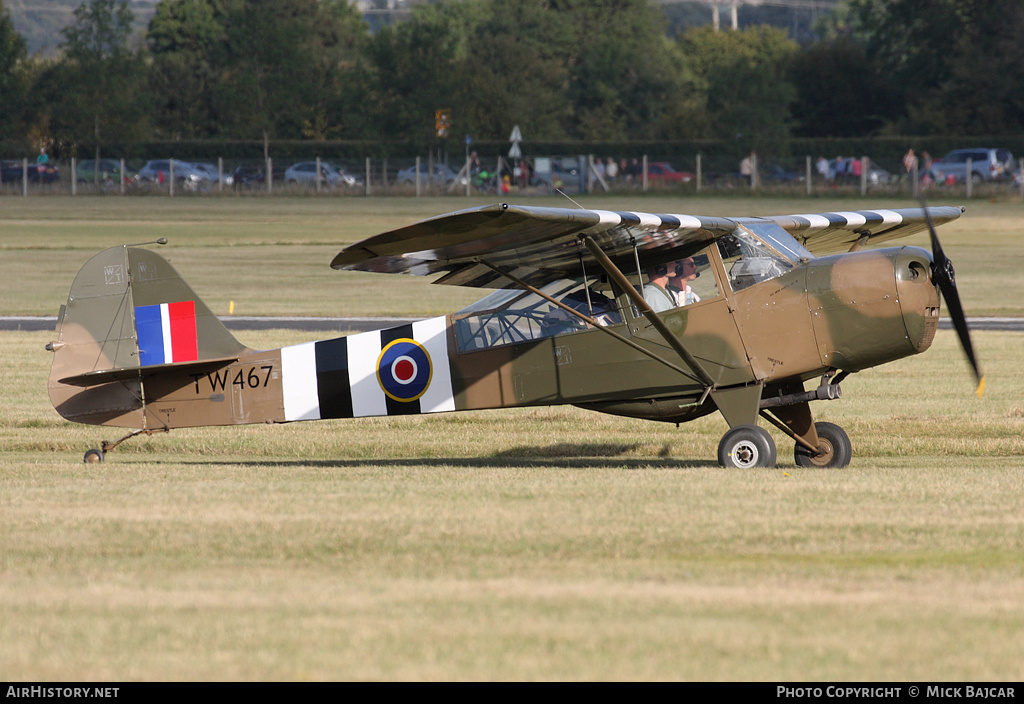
{"x":167,"y":333}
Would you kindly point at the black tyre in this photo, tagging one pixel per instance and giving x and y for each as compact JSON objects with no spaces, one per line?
{"x":834,"y":443}
{"x":93,"y":456}
{"x":747,"y":446}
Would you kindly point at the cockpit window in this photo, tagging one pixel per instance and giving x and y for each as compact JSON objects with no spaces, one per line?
{"x":509,"y":316}
{"x":751,"y":260}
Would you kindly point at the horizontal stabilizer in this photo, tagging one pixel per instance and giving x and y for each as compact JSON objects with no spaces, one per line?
{"x":105,"y":376}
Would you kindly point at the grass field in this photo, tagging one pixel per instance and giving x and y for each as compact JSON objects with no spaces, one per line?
{"x":510,"y":545}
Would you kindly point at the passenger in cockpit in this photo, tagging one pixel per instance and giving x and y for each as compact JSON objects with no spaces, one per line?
{"x":656,"y":291}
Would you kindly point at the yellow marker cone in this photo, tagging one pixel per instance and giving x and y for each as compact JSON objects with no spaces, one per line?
{"x":981,"y":388}
{"x":231,"y":308}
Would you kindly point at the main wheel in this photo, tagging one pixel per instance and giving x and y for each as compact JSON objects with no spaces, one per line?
{"x":747,"y":446}
{"x":834,"y":444}
{"x":93,"y":456}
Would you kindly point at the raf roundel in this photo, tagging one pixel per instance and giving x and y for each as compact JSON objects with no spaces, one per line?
{"x":403,"y":370}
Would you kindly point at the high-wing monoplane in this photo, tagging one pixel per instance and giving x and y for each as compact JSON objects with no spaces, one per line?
{"x":657,"y":316}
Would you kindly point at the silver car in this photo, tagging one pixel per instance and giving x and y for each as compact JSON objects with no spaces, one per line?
{"x":214,"y":173}
{"x":305,"y":172}
{"x":986,"y":165}
{"x":186,"y":174}
{"x":442,"y":174}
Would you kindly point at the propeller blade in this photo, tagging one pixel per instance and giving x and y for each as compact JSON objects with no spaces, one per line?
{"x":945,"y":278}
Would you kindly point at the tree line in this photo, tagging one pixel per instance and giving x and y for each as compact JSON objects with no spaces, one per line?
{"x":563,"y":70}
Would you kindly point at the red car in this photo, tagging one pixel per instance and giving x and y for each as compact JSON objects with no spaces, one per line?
{"x":662,"y":171}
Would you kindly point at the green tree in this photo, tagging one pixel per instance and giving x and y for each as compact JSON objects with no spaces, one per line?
{"x":182,"y":37}
{"x":743,"y":79}
{"x":516,"y":72}
{"x":623,"y":83}
{"x":264,"y":65}
{"x":958,"y":64}
{"x":419,"y":66}
{"x":100,"y":78}
{"x":12,"y":76}
{"x":341,"y":74}
{"x":840,"y":92}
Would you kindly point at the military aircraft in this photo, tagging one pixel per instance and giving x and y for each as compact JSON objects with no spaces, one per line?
{"x":658,"y":316}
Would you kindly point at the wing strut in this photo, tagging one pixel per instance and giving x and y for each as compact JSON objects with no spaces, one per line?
{"x":590,"y":321}
{"x":645,"y":308}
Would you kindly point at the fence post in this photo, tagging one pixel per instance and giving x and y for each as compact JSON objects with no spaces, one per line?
{"x":270,"y":175}
{"x":698,"y":173}
{"x":220,"y":174}
{"x":24,"y":177}
{"x":120,"y":176}
{"x":1020,"y":175}
{"x":369,"y":172}
{"x":969,"y":177}
{"x":865,"y":164}
{"x":384,"y":174}
{"x":807,"y":174}
{"x":318,"y":174}
{"x":171,"y":192}
{"x":74,"y":176}
{"x":418,"y":162}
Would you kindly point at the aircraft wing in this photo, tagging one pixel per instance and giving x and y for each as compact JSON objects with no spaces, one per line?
{"x":536,"y":244}
{"x":539,"y":245}
{"x":828,"y":233}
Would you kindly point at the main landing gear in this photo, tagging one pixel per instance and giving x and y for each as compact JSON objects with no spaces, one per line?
{"x":747,"y":446}
{"x":787,"y":407}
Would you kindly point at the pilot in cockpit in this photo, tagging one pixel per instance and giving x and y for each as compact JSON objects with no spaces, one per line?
{"x":656,"y":290}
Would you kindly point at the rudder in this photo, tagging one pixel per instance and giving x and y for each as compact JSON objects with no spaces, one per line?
{"x":128,"y":309}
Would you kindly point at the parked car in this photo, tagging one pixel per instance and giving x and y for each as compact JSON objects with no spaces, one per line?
{"x":213,"y":172}
{"x":876,"y":174}
{"x":772,"y":172}
{"x":11,"y":171}
{"x":561,"y":172}
{"x":109,"y":170}
{"x":663,"y":172}
{"x":442,"y":174}
{"x":248,"y":177}
{"x":305,"y":172}
{"x":986,"y":165}
{"x":185,"y":174}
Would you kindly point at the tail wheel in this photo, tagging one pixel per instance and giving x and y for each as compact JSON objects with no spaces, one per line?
{"x":834,"y":447}
{"x":747,"y":446}
{"x":93,"y":456}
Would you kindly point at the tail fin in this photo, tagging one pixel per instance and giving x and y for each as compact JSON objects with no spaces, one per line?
{"x":128,"y":310}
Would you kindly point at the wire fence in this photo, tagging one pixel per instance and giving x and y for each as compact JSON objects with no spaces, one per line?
{"x":537,"y":175}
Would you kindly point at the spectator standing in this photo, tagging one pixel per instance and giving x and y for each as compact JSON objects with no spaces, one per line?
{"x":611,"y":170}
{"x":635,"y":172}
{"x":822,"y":167}
{"x":747,"y":168}
{"x":909,"y":160}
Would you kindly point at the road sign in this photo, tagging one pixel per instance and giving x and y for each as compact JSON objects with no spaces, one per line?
{"x":442,"y":121}
{"x":516,"y":137}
